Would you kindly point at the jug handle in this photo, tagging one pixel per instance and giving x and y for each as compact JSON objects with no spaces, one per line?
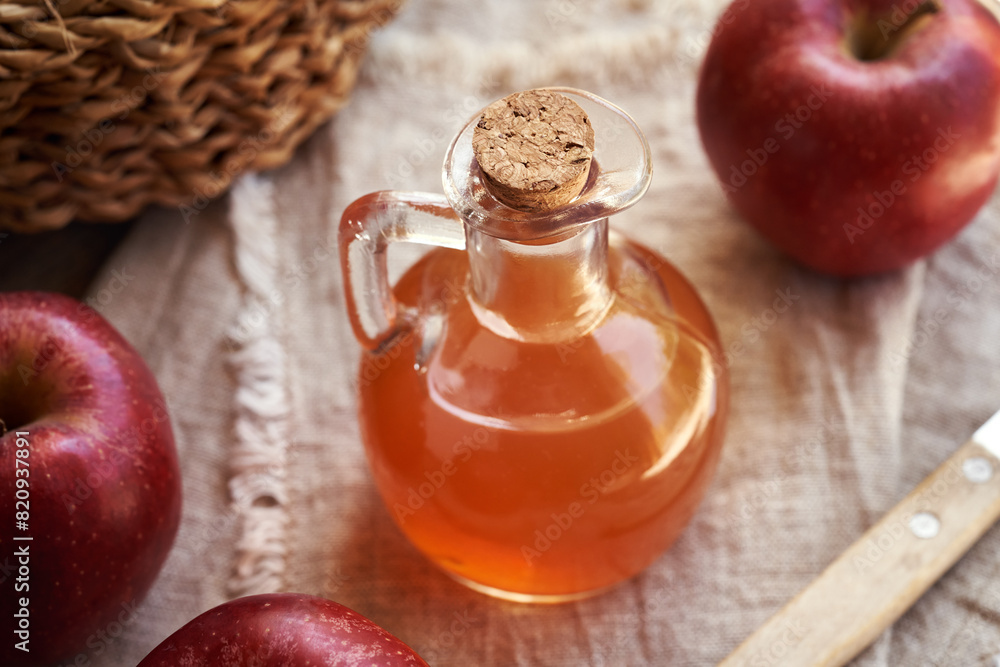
{"x":367,"y":228}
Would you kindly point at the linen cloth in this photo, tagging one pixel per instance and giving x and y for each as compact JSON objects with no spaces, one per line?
{"x":842,"y":399}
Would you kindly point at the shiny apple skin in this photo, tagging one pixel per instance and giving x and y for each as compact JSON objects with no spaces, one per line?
{"x":282,"y":630}
{"x":770,"y":56}
{"x":105,"y":487}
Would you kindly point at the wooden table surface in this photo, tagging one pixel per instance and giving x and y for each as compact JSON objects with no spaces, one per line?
{"x":64,"y":260}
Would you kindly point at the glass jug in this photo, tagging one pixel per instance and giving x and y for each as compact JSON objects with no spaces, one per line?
{"x":542,"y":401}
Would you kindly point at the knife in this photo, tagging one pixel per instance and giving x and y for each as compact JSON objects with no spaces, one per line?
{"x":881,"y":575}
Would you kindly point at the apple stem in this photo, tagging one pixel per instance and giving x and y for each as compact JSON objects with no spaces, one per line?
{"x":3,"y":428}
{"x":876,"y":37}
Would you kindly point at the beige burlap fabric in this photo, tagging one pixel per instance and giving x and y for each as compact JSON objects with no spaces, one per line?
{"x":842,"y":401}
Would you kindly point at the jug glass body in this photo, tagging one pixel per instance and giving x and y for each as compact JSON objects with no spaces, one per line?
{"x":542,"y":400}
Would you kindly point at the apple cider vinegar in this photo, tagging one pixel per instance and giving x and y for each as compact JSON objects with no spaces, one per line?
{"x":546,"y":470}
{"x":542,"y":401}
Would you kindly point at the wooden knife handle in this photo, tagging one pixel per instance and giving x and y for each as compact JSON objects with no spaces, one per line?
{"x":877,"y":579}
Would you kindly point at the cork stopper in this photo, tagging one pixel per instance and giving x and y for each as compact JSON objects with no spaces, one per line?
{"x":534,"y":149}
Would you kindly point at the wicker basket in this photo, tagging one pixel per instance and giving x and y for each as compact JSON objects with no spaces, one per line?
{"x":109,"y":105}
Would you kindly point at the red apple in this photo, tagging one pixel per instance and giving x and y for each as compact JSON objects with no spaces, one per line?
{"x":856,"y":135}
{"x":90,"y":492}
{"x":281,"y":630}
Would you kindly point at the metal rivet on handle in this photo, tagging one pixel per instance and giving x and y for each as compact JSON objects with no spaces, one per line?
{"x":925,"y":525}
{"x":977,"y":470}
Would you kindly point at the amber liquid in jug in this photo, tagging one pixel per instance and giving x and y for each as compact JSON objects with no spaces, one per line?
{"x":541,"y":401}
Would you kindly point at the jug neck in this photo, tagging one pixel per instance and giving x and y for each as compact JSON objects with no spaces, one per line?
{"x":545,"y":291}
